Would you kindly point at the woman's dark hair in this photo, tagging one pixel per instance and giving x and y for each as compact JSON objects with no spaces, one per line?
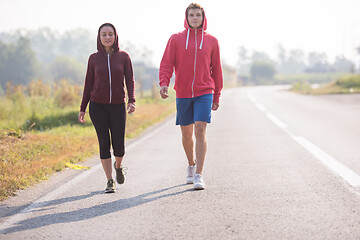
{"x":107,"y":25}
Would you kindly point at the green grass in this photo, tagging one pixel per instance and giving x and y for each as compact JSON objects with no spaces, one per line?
{"x":311,"y":78}
{"x":343,"y":85}
{"x":39,"y":137}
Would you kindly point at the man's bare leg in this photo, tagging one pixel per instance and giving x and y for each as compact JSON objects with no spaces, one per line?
{"x":188,"y":142}
{"x":200,"y":145}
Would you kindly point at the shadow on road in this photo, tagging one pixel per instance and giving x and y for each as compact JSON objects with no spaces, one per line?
{"x":87,"y":213}
{"x":34,"y":206}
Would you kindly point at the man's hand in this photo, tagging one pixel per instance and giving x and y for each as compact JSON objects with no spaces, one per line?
{"x":215,"y":106}
{"x":164,"y":92}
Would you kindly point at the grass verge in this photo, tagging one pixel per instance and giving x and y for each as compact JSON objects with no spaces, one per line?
{"x":343,"y":85}
{"x":29,"y":157}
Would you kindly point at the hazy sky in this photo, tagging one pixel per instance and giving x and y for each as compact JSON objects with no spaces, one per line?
{"x":330,"y":26}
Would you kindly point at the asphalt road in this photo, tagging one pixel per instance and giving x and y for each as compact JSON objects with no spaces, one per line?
{"x":279,"y":166}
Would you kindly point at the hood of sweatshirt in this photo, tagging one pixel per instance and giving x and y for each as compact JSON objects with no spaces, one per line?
{"x":100,"y":47}
{"x":203,"y":28}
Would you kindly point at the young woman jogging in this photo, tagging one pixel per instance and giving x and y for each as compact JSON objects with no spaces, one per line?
{"x":109,"y":71}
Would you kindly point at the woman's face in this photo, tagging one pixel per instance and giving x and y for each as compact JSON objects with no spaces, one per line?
{"x":107,"y":36}
{"x":195,"y":17}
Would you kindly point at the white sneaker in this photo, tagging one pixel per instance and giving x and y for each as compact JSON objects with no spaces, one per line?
{"x":190,"y":174}
{"x":198,"y":182}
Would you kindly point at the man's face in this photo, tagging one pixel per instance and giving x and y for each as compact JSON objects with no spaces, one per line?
{"x":195,"y":18}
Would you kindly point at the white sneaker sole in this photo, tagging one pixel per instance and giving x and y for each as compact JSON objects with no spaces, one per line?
{"x":199,"y":187}
{"x":189,"y":180}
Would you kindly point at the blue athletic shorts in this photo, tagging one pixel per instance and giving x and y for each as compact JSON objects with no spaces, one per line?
{"x":190,"y":110}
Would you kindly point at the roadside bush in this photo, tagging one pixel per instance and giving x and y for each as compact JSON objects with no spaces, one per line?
{"x":352,"y":81}
{"x":311,"y":78}
{"x":66,"y":94}
{"x":303,"y":87}
{"x":38,"y":88}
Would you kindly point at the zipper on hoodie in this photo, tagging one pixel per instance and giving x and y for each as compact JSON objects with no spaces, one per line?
{"x":192,"y":85}
{"x":108,"y":58}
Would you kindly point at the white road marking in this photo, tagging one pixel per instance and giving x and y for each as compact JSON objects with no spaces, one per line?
{"x":258,"y":105}
{"x":41,"y":202}
{"x":340,"y":169}
{"x":346,"y":173}
{"x":275,"y":120}
{"x":261,"y":107}
{"x":251,"y":96}
{"x":10,"y":222}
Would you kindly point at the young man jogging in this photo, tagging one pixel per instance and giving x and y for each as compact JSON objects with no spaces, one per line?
{"x":195,"y":56}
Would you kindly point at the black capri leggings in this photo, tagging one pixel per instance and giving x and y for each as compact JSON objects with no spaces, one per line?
{"x":111,"y":117}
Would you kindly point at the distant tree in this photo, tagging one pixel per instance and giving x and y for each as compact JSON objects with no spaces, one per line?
{"x":132,"y":49}
{"x":18,"y":63}
{"x":295,"y":63}
{"x":243,"y":55}
{"x":262,"y":72}
{"x":318,"y":63}
{"x":291,"y":62}
{"x":4,"y":56}
{"x":65,"y":67}
{"x":51,"y":47}
{"x":48,"y":44}
{"x":341,"y":64}
{"x":25,"y":61}
{"x":281,"y":56}
{"x":358,"y":52}
{"x":144,"y":71}
{"x":243,"y":63}
{"x":314,"y":58}
{"x":44,"y":41}
{"x":261,"y":56}
{"x":138,"y":54}
{"x":77,"y":43}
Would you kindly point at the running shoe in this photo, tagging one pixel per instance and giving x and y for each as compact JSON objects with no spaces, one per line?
{"x":190,"y":174}
{"x":198,"y":182}
{"x":110,"y":186}
{"x":120,"y":173}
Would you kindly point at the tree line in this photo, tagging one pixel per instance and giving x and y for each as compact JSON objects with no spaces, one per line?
{"x":44,"y":54}
{"x":48,"y":55}
{"x":259,"y":65}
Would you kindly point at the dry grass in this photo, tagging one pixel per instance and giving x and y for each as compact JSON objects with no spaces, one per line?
{"x":26,"y":158}
{"x":343,"y":85}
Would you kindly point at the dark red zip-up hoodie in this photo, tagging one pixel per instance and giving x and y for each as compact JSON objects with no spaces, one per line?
{"x":107,"y":75}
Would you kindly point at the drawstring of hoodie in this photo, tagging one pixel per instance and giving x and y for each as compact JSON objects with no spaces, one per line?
{"x":202,"y":38}
{"x":187,"y":38}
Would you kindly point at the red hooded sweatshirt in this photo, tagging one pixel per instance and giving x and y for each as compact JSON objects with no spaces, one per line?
{"x":195,"y":55}
{"x":104,"y":81}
